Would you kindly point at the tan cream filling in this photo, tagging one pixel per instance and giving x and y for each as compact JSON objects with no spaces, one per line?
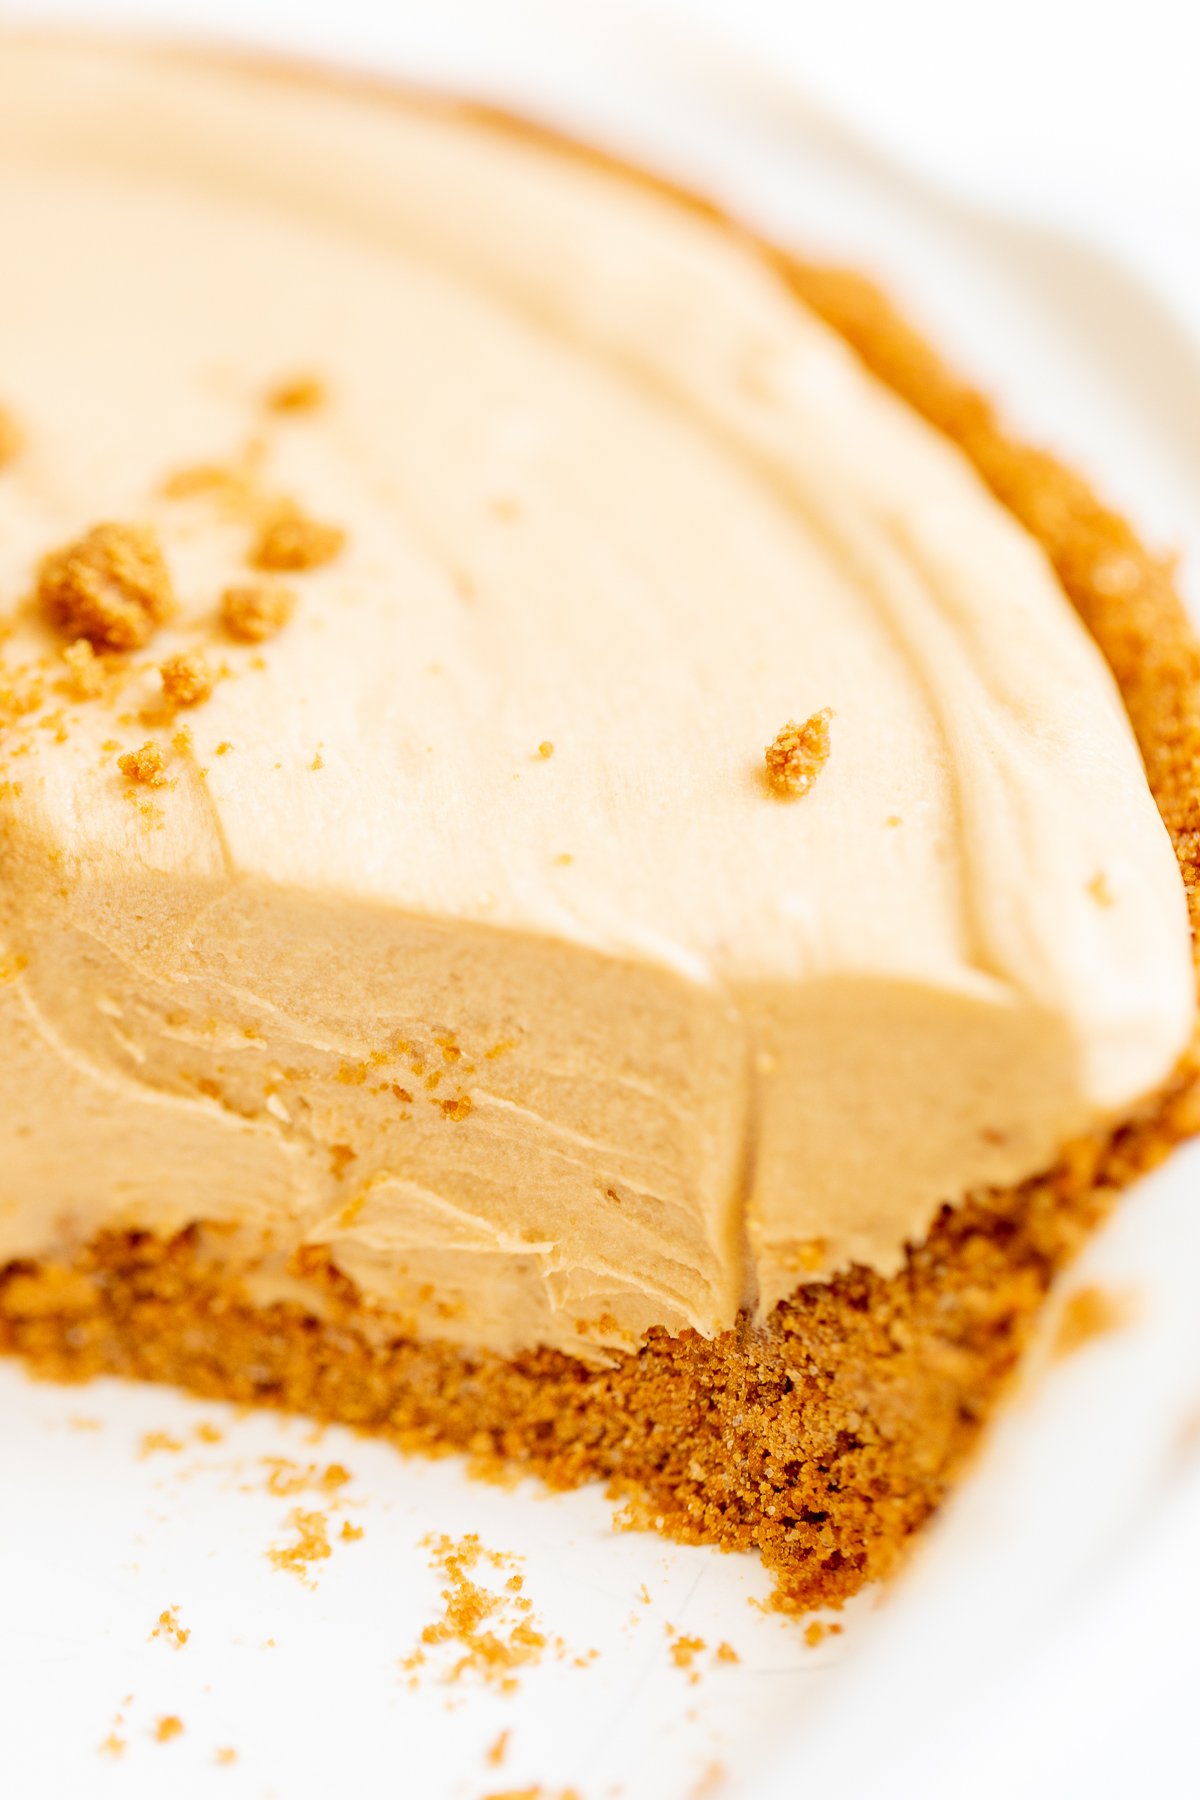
{"x":545,"y":1049}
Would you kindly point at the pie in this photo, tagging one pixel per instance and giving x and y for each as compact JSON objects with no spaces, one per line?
{"x":596,"y":864}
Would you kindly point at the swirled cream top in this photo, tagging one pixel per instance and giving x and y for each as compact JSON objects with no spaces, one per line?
{"x":459,"y":933}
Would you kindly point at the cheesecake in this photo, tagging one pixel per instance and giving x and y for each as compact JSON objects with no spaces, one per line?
{"x":596,"y":865}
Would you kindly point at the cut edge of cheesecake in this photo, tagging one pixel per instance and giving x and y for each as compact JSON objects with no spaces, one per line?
{"x":826,"y":1439}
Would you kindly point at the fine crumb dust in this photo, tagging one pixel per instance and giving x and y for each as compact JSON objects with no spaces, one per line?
{"x":255,"y":611}
{"x":110,"y":586}
{"x":797,"y":754}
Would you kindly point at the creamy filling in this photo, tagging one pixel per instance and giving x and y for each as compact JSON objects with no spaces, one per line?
{"x":466,"y":939}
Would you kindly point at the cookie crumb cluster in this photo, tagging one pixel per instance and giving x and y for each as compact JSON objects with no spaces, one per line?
{"x":187,"y":679}
{"x":110,"y":587}
{"x":146,"y":767}
{"x":290,"y":541}
{"x":255,"y":611}
{"x":797,"y":754}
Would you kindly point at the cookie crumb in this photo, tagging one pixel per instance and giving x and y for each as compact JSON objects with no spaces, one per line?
{"x":297,"y":394}
{"x":146,"y":766}
{"x":311,"y":1545}
{"x":1089,"y":1313}
{"x":498,"y":1750}
{"x":112,"y":1745}
{"x":12,"y":438}
{"x":168,"y":1727}
{"x":169,"y":1627}
{"x":289,"y":540}
{"x":186,"y":678}
{"x":226,"y":1757}
{"x":545,"y":749}
{"x":1099,"y":889}
{"x":110,"y":586}
{"x":254,"y":612}
{"x":797,"y":755}
{"x":84,"y":679}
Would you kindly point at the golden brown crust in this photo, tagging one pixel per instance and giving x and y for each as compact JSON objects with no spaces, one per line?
{"x":827,"y":1439}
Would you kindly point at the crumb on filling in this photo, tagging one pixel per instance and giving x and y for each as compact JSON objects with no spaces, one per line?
{"x":110,"y":587}
{"x":797,"y":754}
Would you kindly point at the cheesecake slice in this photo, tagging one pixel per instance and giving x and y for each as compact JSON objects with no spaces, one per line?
{"x":579,"y":874}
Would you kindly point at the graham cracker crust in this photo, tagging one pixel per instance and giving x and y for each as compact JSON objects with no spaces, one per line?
{"x":827,"y":1439}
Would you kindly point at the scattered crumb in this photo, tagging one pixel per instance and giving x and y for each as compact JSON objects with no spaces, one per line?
{"x":536,"y":1792}
{"x":289,"y":540}
{"x":255,"y":611}
{"x":157,"y":1440}
{"x":167,"y":1728}
{"x":1099,"y":889}
{"x":85,"y":676}
{"x":110,"y":586}
{"x":286,"y":1478}
{"x":498,"y":1750}
{"x":1089,"y":1313}
{"x":297,"y":394}
{"x":112,"y":1746}
{"x":80,"y":1422}
{"x":187,"y":679}
{"x":545,"y":748}
{"x":318,"y":762}
{"x":814,"y":1633}
{"x":726,"y":1653}
{"x":146,"y":766}
{"x":495,"y":1631}
{"x":351,"y":1533}
{"x":209,"y":1433}
{"x":230,"y":484}
{"x":709,"y":1782}
{"x":168,"y":1627}
{"x":798,"y":754}
{"x":226,"y":1756}
{"x":684,"y":1651}
{"x":12,"y":438}
{"x":311,"y":1545}
{"x":224,"y":749}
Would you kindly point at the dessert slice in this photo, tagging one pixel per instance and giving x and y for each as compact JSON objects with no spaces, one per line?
{"x":566,"y":851}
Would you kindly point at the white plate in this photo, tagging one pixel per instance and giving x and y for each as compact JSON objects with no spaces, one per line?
{"x":1047,"y":1548}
